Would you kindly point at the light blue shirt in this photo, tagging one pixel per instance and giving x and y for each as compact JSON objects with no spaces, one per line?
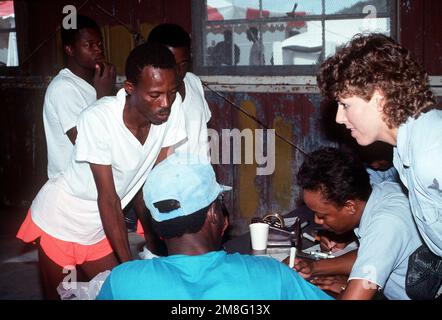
{"x":214,"y":276}
{"x":378,"y":176}
{"x":387,"y":237}
{"x":418,"y":160}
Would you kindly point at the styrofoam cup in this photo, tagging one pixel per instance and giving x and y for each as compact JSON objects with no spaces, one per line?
{"x":259,"y":233}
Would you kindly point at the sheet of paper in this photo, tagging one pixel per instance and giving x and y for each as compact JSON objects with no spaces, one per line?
{"x":350,"y":247}
{"x":277,"y":253}
{"x":289,"y":221}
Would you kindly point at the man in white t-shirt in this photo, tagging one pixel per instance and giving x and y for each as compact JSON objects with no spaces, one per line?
{"x":86,"y":78}
{"x":195,"y":107}
{"x":78,"y":215}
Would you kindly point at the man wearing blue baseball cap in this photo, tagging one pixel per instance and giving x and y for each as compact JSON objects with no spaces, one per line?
{"x":185,"y":201}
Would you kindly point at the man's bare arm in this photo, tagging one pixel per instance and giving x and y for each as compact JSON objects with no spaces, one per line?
{"x":72,"y":134}
{"x":359,"y":289}
{"x":338,"y":265}
{"x":355,"y":289}
{"x":152,"y":240}
{"x":164,"y":153}
{"x":110,"y":211}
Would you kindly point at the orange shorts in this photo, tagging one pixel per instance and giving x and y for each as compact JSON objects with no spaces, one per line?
{"x":64,"y":253}
{"x":140,"y":230}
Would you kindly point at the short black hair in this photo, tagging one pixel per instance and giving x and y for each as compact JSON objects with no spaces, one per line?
{"x":148,"y":54}
{"x":338,"y":174}
{"x":68,"y":36}
{"x":179,"y":226}
{"x":171,"y":35}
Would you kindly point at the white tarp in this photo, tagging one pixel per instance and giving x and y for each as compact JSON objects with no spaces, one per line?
{"x":299,"y":49}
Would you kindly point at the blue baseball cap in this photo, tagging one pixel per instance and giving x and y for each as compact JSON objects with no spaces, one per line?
{"x":180,"y":185}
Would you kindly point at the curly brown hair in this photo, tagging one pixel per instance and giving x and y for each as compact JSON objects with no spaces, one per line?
{"x":376,"y":62}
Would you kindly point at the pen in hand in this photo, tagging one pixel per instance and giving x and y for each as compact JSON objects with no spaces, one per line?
{"x":292,"y":257}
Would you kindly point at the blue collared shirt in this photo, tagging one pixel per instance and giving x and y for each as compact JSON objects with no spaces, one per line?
{"x":378,"y":176}
{"x":387,"y":237}
{"x":418,"y":160}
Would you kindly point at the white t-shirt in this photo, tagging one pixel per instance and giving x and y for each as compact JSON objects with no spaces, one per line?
{"x":66,"y":207}
{"x":67,"y":95}
{"x":197,"y":114}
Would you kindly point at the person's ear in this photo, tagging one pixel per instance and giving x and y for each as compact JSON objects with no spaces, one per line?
{"x":216,"y":218}
{"x":225,"y":225}
{"x":378,"y":98}
{"x":211,"y":215}
{"x":128,"y":87}
{"x":350,"y":206}
{"x":68,"y":50}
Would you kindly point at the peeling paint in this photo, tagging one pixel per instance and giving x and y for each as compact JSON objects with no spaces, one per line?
{"x":281,"y":196}
{"x":248,"y":193}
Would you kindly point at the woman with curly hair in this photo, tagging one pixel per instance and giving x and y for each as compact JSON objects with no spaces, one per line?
{"x":383,"y":94}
